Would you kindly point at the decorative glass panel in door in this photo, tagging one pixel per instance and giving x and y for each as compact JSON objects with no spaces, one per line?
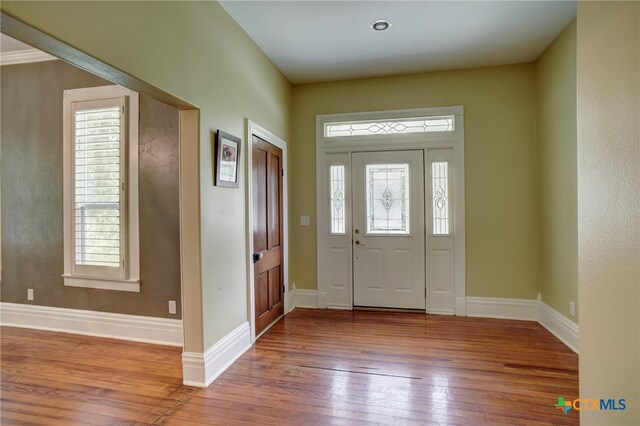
{"x":387,"y":189}
{"x":337,"y":199}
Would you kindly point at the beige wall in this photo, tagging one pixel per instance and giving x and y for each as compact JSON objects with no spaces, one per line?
{"x":609,"y":207}
{"x":500,"y":166}
{"x":195,"y":51}
{"x":557,"y":176}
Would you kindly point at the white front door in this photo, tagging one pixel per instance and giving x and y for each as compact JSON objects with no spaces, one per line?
{"x":388,"y":229}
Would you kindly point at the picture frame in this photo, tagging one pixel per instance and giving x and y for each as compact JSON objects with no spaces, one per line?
{"x":227,"y":160}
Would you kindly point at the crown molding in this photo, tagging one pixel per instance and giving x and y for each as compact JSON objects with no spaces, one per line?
{"x":24,"y":57}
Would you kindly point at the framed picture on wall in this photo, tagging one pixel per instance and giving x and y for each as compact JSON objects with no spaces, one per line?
{"x":227,"y":159}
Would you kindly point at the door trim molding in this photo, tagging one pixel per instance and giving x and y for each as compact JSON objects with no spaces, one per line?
{"x":306,"y":299}
{"x":255,"y":129}
{"x":424,"y":141}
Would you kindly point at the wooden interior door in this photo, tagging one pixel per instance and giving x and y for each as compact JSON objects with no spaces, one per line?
{"x":268,"y":251}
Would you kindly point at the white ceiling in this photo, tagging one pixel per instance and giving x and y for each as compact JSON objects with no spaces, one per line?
{"x":313,"y":41}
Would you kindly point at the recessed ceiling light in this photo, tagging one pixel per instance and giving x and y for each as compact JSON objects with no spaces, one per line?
{"x":380,"y":25}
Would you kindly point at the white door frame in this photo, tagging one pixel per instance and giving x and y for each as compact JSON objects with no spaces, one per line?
{"x":390,"y":142}
{"x":262,"y":133}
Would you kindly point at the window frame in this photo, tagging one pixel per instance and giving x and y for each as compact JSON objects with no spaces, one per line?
{"x":127,"y":276}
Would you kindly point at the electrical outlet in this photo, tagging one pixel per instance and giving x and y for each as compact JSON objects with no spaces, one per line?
{"x":172,"y":306}
{"x":305,"y":220}
{"x":29,"y":294}
{"x":572,"y":309}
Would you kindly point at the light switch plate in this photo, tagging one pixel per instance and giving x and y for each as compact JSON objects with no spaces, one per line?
{"x":172,"y":306}
{"x":572,"y":309}
{"x":305,"y":220}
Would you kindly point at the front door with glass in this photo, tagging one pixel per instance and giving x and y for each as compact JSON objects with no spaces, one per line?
{"x":388,"y":229}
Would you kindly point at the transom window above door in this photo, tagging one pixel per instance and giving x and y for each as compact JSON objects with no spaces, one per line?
{"x":390,"y":126}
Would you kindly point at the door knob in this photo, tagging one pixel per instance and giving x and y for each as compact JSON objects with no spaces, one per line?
{"x":257,"y":257}
{"x":358,"y":243}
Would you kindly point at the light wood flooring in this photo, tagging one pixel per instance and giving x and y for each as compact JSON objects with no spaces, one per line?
{"x":313,"y":367}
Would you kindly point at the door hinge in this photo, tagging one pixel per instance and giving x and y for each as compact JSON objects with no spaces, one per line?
{"x":122,"y":262}
{"x":123,"y":186}
{"x":282,"y":172}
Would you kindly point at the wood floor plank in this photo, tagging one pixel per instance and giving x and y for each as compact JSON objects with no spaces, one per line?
{"x":312,"y":367}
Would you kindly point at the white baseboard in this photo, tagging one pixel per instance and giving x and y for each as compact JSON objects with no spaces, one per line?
{"x":163,"y":331}
{"x":201,"y":369}
{"x":526,"y":309}
{"x":559,"y":325}
{"x":306,"y":298}
{"x":291,"y":299}
{"x":489,"y":307}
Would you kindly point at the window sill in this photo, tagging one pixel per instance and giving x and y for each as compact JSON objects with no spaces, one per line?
{"x":102,"y":283}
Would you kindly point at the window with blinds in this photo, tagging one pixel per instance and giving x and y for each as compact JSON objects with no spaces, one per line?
{"x":98,"y":184}
{"x":101,"y":229}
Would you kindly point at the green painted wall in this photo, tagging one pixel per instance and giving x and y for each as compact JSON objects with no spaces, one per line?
{"x":608,"y":66}
{"x":500,"y":166}
{"x":195,"y":51}
{"x":557,"y":174}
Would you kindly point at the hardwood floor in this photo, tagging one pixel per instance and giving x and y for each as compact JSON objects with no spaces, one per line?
{"x":313,"y":367}
{"x":56,"y":378}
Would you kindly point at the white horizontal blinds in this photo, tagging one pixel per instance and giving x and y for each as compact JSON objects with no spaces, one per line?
{"x":337,"y":177}
{"x":440,"y":193}
{"x":98,"y":153}
{"x":390,"y":126}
